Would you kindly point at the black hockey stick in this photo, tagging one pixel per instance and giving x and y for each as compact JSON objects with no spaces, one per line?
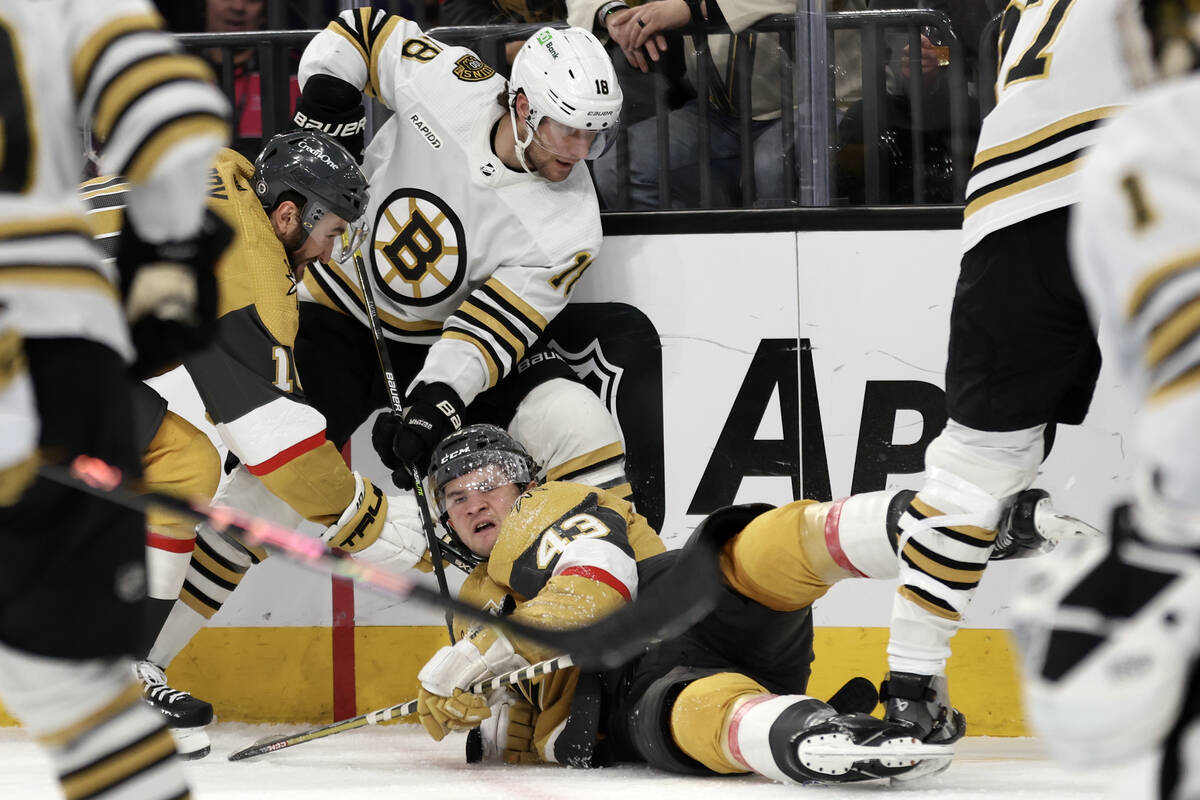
{"x":665,"y":608}
{"x":382,"y":715}
{"x":389,"y":380}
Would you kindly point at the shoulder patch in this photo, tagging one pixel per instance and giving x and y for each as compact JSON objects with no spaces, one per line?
{"x":470,"y":68}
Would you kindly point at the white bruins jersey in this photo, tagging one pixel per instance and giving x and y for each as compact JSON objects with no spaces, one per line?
{"x":464,"y":254}
{"x":1061,"y":73}
{"x":106,"y":64}
{"x":1136,"y":247}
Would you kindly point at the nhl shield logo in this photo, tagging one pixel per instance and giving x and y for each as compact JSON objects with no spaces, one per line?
{"x":470,"y":68}
{"x":420,"y":249}
{"x":595,"y":370}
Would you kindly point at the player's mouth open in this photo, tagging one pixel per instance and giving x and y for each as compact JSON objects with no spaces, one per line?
{"x":483,"y":526}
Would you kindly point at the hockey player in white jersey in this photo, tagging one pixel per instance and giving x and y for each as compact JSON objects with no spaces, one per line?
{"x":482,"y":219}
{"x":72,"y":578}
{"x":1022,"y":354}
{"x":1110,"y":631}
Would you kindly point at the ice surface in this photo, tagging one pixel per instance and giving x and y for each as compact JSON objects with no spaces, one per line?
{"x":401,"y":761}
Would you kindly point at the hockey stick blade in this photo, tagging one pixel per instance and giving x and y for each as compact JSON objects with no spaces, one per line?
{"x":271,"y":744}
{"x":669,"y":606}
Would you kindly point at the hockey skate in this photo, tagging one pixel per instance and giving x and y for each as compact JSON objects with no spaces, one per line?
{"x":1030,"y":527}
{"x":1109,"y":631}
{"x":859,"y":747}
{"x":921,"y":704}
{"x":186,"y":716}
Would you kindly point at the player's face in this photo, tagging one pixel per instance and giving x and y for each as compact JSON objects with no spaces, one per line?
{"x":225,"y":16}
{"x":556,"y":148}
{"x":477,"y":504}
{"x":317,"y":246}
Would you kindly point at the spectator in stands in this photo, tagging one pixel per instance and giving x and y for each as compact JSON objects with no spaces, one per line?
{"x":640,"y":32}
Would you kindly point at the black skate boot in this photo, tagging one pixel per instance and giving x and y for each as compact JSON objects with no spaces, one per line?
{"x":922,"y":703}
{"x":859,"y":747}
{"x":185,"y":715}
{"x":1017,"y":535}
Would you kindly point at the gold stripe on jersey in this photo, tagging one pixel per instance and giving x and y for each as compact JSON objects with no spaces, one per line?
{"x":1179,"y":385}
{"x":525,"y":313}
{"x":487,"y":319}
{"x":106,"y":221}
{"x":922,"y":602}
{"x":129,"y":85}
{"x":130,"y":760}
{"x":587,"y":461}
{"x":1155,"y":278}
{"x":1173,"y":333}
{"x":147,"y":155}
{"x":1033,"y":181}
{"x":131,"y":695}
{"x":45,"y":226}
{"x":88,"y":53}
{"x":973,"y":533}
{"x":354,"y":35}
{"x":489,"y":359}
{"x":1030,"y":141}
{"x":376,"y":46}
{"x":70,"y":277}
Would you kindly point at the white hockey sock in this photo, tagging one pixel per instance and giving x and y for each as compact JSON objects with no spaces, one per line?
{"x":166,"y":564}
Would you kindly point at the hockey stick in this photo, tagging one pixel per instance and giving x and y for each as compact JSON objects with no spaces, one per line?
{"x":389,"y":380}
{"x":382,"y":715}
{"x":667,"y":607}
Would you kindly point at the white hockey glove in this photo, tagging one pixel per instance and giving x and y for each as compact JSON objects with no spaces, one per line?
{"x":443,"y":703}
{"x":507,"y":734}
{"x":384,"y":531}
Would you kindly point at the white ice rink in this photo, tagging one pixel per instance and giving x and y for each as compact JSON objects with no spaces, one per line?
{"x":400,"y":761}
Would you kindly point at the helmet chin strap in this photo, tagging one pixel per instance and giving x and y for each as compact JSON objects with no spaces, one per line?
{"x":519,"y":145}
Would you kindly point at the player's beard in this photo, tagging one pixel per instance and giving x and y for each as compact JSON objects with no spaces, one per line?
{"x":292,"y":243}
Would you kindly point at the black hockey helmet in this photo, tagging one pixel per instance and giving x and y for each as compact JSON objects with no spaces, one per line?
{"x":472,"y":448}
{"x":318,"y":168}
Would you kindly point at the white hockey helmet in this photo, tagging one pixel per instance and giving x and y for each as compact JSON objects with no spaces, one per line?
{"x":568,"y":78}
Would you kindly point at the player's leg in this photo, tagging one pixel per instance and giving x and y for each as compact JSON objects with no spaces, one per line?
{"x":561,"y":422}
{"x":72,"y":586}
{"x":1022,"y":354}
{"x":700,"y":722}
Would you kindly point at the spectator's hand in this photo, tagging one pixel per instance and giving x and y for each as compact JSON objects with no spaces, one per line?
{"x":929,"y":58}
{"x":650,"y":19}
{"x":621,"y":29}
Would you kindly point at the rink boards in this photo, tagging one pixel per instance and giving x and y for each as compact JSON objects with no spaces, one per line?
{"x":742,"y":367}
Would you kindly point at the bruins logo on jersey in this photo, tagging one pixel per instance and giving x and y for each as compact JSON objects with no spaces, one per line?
{"x":470,"y":68}
{"x":420,"y":248}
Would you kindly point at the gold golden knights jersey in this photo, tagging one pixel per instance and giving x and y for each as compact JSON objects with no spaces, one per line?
{"x":247,"y":378}
{"x":465,"y":254}
{"x":567,"y":554}
{"x":106,"y":65}
{"x":1136,"y":251}
{"x":1061,"y":73}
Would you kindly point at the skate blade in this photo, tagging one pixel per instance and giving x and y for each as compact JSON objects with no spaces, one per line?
{"x":837,"y":752}
{"x":191,"y":743}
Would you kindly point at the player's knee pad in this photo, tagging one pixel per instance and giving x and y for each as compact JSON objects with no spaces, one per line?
{"x":90,"y":717}
{"x":568,"y":430}
{"x":649,"y":723}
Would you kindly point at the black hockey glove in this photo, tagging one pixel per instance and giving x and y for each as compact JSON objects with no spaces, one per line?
{"x":434,"y":412}
{"x":333,"y":106}
{"x":170,"y":292}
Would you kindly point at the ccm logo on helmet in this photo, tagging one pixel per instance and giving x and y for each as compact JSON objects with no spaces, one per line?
{"x":341,"y":129}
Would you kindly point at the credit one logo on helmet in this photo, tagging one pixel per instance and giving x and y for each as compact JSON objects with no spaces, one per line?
{"x":419,"y":251}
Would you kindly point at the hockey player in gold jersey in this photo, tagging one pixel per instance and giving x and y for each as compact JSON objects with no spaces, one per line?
{"x":72,"y":578}
{"x":287,"y":209}
{"x":725,"y":697}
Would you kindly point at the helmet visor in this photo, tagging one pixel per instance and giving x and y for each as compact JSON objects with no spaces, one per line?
{"x":455,"y":481}
{"x":571,"y":143}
